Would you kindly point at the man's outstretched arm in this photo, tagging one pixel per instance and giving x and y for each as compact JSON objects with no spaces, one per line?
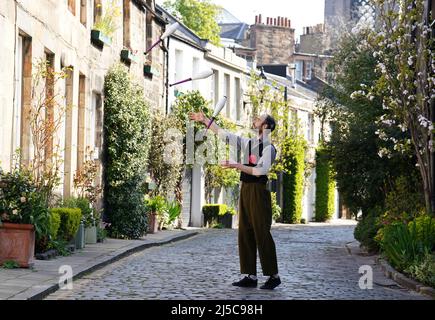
{"x":220,"y":132}
{"x":200,"y":117}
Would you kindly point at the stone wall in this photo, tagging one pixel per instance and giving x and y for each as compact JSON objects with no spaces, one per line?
{"x":52,"y":27}
{"x":274,"y":40}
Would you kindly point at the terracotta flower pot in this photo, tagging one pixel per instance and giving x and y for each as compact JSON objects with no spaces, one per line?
{"x":17,"y":243}
{"x":153,"y":224}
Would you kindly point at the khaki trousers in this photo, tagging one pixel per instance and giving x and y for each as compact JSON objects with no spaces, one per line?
{"x":255,"y":220}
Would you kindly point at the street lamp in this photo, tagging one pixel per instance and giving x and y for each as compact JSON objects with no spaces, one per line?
{"x":171,"y":29}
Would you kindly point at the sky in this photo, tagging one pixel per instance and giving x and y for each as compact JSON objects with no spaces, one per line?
{"x":302,"y":13}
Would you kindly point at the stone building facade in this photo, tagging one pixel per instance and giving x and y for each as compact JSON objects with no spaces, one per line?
{"x":312,"y":40}
{"x":274,"y":40}
{"x":60,"y":32}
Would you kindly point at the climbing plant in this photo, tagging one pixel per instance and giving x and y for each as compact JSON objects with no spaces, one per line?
{"x":127,"y":137}
{"x":325,"y":186}
{"x":292,"y":163}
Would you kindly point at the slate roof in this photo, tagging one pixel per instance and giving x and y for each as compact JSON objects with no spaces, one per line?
{"x":235,"y":31}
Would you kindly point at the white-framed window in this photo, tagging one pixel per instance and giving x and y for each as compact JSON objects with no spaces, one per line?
{"x":227,"y":93}
{"x":299,"y":70}
{"x":237,"y":98}
{"x":18,"y":94}
{"x":310,"y":128}
{"x":195,"y":70}
{"x":178,"y":65}
{"x":309,"y":69}
{"x":214,"y":87}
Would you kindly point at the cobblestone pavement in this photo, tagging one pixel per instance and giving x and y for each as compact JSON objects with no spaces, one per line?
{"x":314,"y":263}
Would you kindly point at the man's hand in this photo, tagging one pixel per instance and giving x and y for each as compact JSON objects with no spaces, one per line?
{"x":230,"y":164}
{"x":199,"y":117}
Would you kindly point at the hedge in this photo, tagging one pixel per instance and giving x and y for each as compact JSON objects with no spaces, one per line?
{"x":70,"y":219}
{"x":126,"y":136}
{"x":325,"y":187}
{"x":54,"y":224}
{"x":293,"y":158}
{"x":213,"y":213}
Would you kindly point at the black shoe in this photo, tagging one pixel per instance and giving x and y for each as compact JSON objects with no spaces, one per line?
{"x":271,"y":283}
{"x":246,"y":282}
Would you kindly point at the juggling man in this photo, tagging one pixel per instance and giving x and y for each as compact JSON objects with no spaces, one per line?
{"x":255,"y":208}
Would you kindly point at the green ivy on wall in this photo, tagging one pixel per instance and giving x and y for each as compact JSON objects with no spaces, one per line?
{"x":293,"y":164}
{"x":325,"y":186}
{"x":126,"y":136}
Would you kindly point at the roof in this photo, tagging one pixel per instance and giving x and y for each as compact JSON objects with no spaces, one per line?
{"x":226,"y":17}
{"x":298,"y":91}
{"x":315,"y":84}
{"x":234,"y":31}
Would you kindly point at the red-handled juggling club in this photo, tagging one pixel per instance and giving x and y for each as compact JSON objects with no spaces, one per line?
{"x":217,"y":109}
{"x":170,"y":30}
{"x":201,"y":75}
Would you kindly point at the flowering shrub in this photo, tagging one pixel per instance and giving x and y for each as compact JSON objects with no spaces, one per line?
{"x":20,"y":202}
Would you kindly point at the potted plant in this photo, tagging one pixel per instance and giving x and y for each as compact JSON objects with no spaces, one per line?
{"x":174,"y":211}
{"x":149,"y":70}
{"x":24,"y":218}
{"x":156,"y":209}
{"x":128,"y":55}
{"x":106,"y":24}
{"x":226,"y":217}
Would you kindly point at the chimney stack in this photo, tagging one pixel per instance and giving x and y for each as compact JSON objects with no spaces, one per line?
{"x":259,"y":19}
{"x":256,"y":19}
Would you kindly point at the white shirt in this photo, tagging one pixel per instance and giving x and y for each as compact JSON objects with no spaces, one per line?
{"x":266,"y":160}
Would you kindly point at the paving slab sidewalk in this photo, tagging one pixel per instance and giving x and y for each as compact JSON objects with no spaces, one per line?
{"x":43,"y":278}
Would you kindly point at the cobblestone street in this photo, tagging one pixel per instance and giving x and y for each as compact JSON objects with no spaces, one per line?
{"x":314,"y":263}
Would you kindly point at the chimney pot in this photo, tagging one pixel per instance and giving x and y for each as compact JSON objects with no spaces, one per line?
{"x":259,"y":19}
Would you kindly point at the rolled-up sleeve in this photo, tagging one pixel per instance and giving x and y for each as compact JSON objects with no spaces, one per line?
{"x":235,"y":140}
{"x":265,"y":162}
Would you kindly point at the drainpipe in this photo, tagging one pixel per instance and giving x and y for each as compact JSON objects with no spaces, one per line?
{"x":167,"y":76}
{"x":165,"y":48}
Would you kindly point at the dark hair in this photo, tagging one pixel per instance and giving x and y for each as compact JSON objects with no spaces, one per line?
{"x":270,"y":121}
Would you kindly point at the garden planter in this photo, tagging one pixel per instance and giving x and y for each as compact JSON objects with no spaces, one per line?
{"x":226,"y":220}
{"x":17,"y":243}
{"x":91,"y":235}
{"x":100,"y":38}
{"x":128,"y":56}
{"x":80,"y":237}
{"x":150,"y":71}
{"x":153,"y":223}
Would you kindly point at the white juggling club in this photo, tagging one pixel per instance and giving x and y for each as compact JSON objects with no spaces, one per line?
{"x":201,"y":75}
{"x":217,"y":109}
{"x":170,"y":30}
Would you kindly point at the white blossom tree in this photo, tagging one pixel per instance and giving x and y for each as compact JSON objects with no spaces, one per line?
{"x":405,"y":58}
